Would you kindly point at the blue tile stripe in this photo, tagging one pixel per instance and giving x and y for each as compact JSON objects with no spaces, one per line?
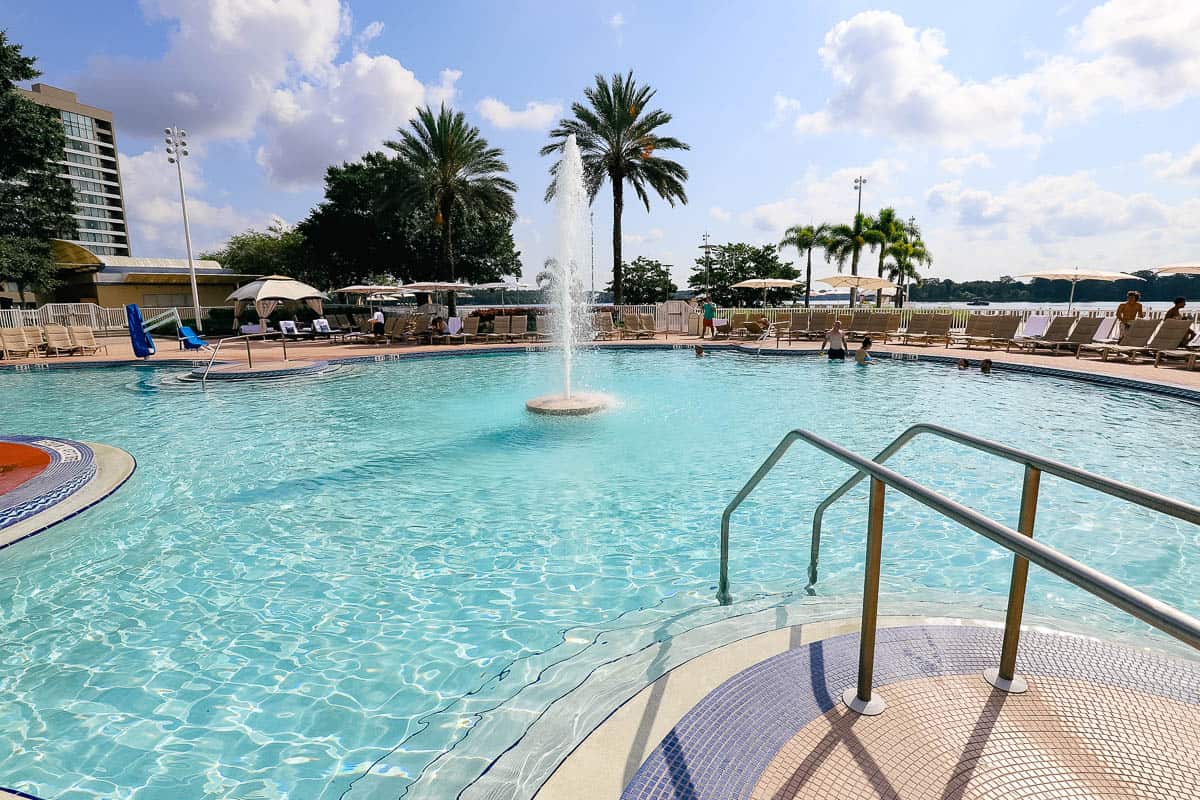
{"x":72,"y":465}
{"x":720,"y":748}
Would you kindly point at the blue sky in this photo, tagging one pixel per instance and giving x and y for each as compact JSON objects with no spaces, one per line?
{"x":1021,"y":135}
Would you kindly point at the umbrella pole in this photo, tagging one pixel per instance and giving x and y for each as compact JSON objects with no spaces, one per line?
{"x":1071,"y":300}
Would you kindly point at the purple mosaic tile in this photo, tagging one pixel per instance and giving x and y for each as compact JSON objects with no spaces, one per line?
{"x":72,"y":465}
{"x":720,"y":748}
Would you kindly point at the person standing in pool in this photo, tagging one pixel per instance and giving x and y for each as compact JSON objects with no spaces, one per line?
{"x":835,"y":342}
{"x":710,"y":314}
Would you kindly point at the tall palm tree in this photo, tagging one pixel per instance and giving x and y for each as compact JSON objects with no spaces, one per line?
{"x":617,"y":140}
{"x":888,"y":229}
{"x":449,"y":168}
{"x":804,"y":238}
{"x":844,"y":242}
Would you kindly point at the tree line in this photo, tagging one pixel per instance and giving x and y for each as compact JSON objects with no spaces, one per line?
{"x":1007,"y":289}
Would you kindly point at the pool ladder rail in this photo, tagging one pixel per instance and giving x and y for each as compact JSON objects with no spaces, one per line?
{"x":1024,"y":547}
{"x":249,"y":359}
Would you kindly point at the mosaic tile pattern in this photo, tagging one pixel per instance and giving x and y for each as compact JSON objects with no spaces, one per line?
{"x":72,"y":465}
{"x":726,"y":745}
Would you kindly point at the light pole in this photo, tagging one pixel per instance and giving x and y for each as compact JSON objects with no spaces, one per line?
{"x":592,"y":234}
{"x":859,"y":182}
{"x":176,"y":152}
{"x":707,"y":248}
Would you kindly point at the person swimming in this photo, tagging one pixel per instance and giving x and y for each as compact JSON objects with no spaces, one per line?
{"x":863,"y":354}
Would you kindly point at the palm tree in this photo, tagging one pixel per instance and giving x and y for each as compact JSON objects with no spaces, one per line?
{"x":846,"y":242}
{"x":804,"y":238}
{"x":906,"y":255}
{"x":450,"y":169}
{"x":888,"y":229}
{"x":617,"y":140}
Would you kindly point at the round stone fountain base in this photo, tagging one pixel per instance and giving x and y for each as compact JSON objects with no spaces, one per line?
{"x":560,"y":405}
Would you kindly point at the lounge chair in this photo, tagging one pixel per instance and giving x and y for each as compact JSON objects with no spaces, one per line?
{"x":602,"y":325}
{"x":632,"y":327}
{"x":1004,"y":330}
{"x":819,"y":323}
{"x":289,"y":329}
{"x":1081,"y":334}
{"x":979,"y":331}
{"x":651,"y":325}
{"x":518,"y":327}
{"x":85,"y":339}
{"x":468,"y":331}
{"x":1056,"y":331}
{"x":1136,"y":336}
{"x":323,"y":330}
{"x":795,"y":327}
{"x":937,"y":329}
{"x":14,"y":345}
{"x":188,"y":339}
{"x":1036,"y":326}
{"x":857,"y":327}
{"x":542,"y":325}
{"x":1187,"y":354}
{"x":500,"y":329}
{"x":1107,"y":331}
{"x":1171,"y":335}
{"x":917,"y":325}
{"x":58,"y":341}
{"x":453,"y":326}
{"x":35,"y":338}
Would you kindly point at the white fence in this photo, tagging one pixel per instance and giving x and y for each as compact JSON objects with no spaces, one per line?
{"x":94,"y":316}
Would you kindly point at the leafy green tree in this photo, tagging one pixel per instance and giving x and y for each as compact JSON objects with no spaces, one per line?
{"x":448,"y":170}
{"x":35,"y":204}
{"x":887,"y":229}
{"x":805,"y":238}
{"x":29,"y":264}
{"x":734,"y":263}
{"x":645,"y":280}
{"x":278,"y":250}
{"x":617,"y":139}
{"x":845,"y":242}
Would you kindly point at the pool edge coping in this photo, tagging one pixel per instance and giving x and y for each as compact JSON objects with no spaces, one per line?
{"x":114,"y":467}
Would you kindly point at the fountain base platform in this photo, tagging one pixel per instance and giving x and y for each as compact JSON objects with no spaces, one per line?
{"x":562,"y":406}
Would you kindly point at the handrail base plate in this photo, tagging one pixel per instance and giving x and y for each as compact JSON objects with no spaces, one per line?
{"x":872,"y":708}
{"x":1017,"y":685}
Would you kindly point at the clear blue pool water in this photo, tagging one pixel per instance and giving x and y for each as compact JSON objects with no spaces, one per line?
{"x":299,"y":574}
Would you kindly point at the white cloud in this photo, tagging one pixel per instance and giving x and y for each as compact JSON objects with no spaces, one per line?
{"x":266,"y":71}
{"x":891,"y":81}
{"x":616,"y":21}
{"x":368,"y":34}
{"x":720,"y":214}
{"x":1184,"y":167}
{"x":1140,"y":53}
{"x":957,"y":165}
{"x":819,"y":196}
{"x":537,"y":116}
{"x":652,"y":235}
{"x":155,"y":219}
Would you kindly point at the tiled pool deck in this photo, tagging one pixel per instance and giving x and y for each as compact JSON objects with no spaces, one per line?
{"x":1098,"y":720}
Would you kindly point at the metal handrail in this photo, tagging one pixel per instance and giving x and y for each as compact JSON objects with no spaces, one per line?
{"x":1154,"y":612}
{"x":249,"y":360}
{"x":1123,"y":491}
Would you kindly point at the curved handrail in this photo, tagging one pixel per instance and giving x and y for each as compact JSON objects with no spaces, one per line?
{"x":246,"y":337}
{"x":1119,"y":489}
{"x":1140,"y":605}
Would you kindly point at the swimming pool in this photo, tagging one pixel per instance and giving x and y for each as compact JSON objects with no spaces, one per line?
{"x":300,"y":575}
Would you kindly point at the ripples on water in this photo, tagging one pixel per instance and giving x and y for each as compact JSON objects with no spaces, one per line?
{"x":297,"y":574}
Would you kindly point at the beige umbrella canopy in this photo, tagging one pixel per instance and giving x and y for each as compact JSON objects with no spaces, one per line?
{"x":1179,"y":269}
{"x":267,"y":293}
{"x":434,"y":286}
{"x":767,"y":283}
{"x":360,"y":288}
{"x":1077,"y":275}
{"x":857,"y":282}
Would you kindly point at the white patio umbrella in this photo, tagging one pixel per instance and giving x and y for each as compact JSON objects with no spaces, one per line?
{"x":767,"y":283}
{"x":1077,"y":275}
{"x":267,"y":293}
{"x":503,"y":287}
{"x":359,"y":288}
{"x":857,"y":282}
{"x":1179,"y":269}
